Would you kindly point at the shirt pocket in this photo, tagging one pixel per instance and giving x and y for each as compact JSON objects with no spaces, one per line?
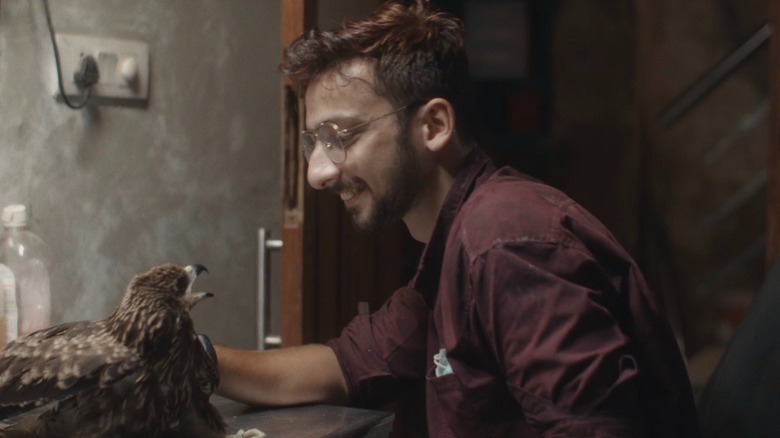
{"x":455,"y":411}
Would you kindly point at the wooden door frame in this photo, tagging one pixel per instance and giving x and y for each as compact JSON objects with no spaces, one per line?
{"x":773,"y":154}
{"x":296,"y":17}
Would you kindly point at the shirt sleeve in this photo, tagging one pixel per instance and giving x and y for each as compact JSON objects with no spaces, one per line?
{"x":383,"y":353}
{"x":549,"y":312}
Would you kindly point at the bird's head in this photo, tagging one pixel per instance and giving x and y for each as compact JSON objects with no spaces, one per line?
{"x":170,"y":280}
{"x":156,"y":307}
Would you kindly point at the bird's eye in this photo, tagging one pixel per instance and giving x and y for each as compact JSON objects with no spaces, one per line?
{"x":182,"y":283}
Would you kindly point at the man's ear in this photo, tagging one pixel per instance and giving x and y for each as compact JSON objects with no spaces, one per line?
{"x":438,"y":122}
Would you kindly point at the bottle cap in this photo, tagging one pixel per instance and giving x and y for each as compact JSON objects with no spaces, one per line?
{"x":15,"y":215}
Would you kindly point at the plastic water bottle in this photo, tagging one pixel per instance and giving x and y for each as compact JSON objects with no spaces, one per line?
{"x":7,"y":301}
{"x":28,"y":258}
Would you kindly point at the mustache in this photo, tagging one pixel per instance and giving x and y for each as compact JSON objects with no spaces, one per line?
{"x":353,"y":185}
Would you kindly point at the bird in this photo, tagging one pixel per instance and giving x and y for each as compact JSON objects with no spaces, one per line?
{"x":140,"y":372}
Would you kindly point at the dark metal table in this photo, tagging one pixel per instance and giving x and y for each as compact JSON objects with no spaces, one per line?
{"x":315,"y":421}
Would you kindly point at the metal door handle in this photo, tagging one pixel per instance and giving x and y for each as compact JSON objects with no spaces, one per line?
{"x":264,"y":246}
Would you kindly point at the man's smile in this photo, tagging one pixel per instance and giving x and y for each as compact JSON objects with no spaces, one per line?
{"x":349,"y":190}
{"x":347,"y":195}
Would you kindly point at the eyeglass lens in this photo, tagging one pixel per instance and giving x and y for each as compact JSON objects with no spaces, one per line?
{"x":328,"y":135}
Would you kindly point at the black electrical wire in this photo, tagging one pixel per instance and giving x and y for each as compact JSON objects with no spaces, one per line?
{"x":65,"y":99}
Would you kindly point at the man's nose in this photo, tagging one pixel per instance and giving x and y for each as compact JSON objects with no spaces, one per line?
{"x":322,"y":172}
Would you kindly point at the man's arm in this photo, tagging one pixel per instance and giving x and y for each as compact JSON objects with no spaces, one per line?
{"x":287,"y":376}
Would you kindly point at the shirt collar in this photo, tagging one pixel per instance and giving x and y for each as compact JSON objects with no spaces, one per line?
{"x":476,"y":167}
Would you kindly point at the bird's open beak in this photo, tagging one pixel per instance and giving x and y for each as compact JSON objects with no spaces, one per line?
{"x":192,"y":298}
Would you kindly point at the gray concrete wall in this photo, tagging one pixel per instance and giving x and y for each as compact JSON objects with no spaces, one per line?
{"x":189,"y":178}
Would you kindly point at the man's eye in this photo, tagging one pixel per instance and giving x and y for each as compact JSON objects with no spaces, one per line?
{"x":347,"y":137}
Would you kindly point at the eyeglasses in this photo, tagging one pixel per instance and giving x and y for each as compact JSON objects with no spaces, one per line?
{"x":332,"y":138}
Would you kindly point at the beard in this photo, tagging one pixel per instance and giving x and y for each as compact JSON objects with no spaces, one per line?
{"x":402,"y":181}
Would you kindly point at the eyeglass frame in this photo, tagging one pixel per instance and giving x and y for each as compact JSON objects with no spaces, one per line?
{"x":329,"y":146}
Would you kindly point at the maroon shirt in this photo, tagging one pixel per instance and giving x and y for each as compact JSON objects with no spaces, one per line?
{"x":547,"y":323}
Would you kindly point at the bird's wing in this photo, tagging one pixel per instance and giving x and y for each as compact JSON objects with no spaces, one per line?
{"x":201,"y":418}
{"x":204,"y":362}
{"x":59,"y":361}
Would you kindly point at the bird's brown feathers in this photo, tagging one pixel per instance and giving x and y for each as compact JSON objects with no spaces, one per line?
{"x":139,"y":372}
